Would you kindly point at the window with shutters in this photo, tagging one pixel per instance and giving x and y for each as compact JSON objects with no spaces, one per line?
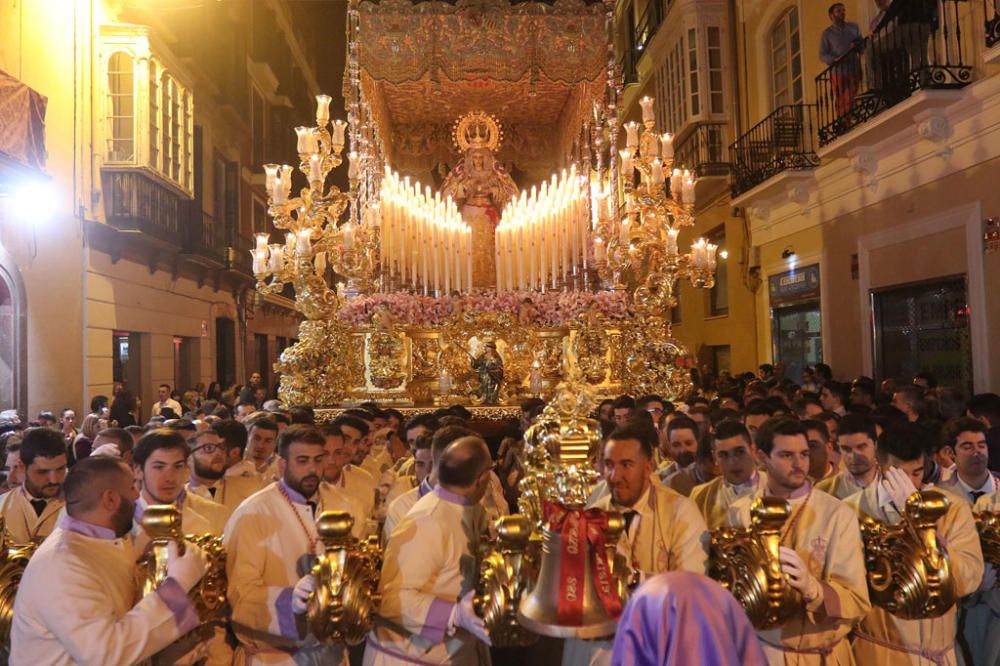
{"x":786,"y":60}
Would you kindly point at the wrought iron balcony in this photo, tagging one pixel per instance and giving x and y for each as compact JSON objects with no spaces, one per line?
{"x":784,"y":140}
{"x":238,"y":255}
{"x":918,"y":45}
{"x":991,"y":15}
{"x":137,"y":201}
{"x":703,"y":150}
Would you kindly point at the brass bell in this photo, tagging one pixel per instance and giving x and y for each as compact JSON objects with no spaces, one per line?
{"x":539,"y":611}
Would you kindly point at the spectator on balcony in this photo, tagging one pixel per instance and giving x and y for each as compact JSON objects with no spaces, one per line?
{"x":840,"y":48}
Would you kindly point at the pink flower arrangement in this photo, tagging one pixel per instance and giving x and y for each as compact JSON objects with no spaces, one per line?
{"x":548,"y":309}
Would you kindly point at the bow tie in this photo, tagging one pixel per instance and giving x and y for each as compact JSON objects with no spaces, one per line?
{"x":39,"y":506}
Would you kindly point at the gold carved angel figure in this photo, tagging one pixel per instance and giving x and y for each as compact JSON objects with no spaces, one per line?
{"x":480,"y":186}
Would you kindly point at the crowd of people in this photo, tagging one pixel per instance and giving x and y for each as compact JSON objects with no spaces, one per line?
{"x":258,"y":473}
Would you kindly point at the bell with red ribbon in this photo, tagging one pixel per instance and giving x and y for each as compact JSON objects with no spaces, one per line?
{"x":578,"y":594}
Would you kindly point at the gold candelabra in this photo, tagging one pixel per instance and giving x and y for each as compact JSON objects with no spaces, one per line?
{"x":317,"y":232}
{"x":641,"y":243}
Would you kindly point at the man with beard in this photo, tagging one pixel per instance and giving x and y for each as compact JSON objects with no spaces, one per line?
{"x":821,"y":554}
{"x":210,"y":478}
{"x":736,"y":456}
{"x":31,"y":511}
{"x":856,"y":436}
{"x":160,"y":464}
{"x":342,"y":437}
{"x":430,"y":570}
{"x":663,"y":529}
{"x":682,"y":440}
{"x":271,"y":542}
{"x":883,"y":638}
{"x":76,"y":603}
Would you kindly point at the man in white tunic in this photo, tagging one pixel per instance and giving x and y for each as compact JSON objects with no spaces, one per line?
{"x":262,"y":437}
{"x":335,"y":497}
{"x":857,"y":437}
{"x":821,"y":554}
{"x":974,"y":483}
{"x":736,"y":456}
{"x":211,"y":451}
{"x":883,"y":638}
{"x":341,"y":438}
{"x":663,"y":529}
{"x":430,"y":448}
{"x":430,"y":571}
{"x":79,"y":601}
{"x":271,"y":542}
{"x":30,"y":512}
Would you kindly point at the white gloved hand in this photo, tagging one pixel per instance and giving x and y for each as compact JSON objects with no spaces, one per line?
{"x":186,"y":569}
{"x":110,"y":450}
{"x":301,"y":593}
{"x":898,"y":486}
{"x":989,"y":579}
{"x":798,"y":575}
{"x":463,"y":615}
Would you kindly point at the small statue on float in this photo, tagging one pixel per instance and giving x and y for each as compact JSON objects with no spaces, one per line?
{"x":489,"y":367}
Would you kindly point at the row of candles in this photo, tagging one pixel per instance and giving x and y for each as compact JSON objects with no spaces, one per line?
{"x":542,"y":235}
{"x":423,"y":238}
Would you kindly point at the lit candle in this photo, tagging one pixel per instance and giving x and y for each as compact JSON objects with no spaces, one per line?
{"x":647,"y":109}
{"x":284,"y":184}
{"x":315,"y":168}
{"x":307,"y":141}
{"x":627,"y":166}
{"x":672,"y":242}
{"x":259,"y":260}
{"x":303,"y":243}
{"x":353,"y":165}
{"x":687,"y":191}
{"x":272,"y":180}
{"x":323,"y":109}
{"x":656,"y":172}
{"x":632,"y":135}
{"x":338,"y":132}
{"x":276,"y":257}
{"x":666,"y":147}
{"x":676,"y":183}
{"x":468,"y":257}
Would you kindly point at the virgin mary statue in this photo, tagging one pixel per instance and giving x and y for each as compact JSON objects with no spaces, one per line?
{"x":480,"y":186}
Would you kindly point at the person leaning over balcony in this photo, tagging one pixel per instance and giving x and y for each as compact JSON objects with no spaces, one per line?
{"x":839,"y":49}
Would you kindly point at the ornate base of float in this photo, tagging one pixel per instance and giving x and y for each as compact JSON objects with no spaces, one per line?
{"x":373,"y":353}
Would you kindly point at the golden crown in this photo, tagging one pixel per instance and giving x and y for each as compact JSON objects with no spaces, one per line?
{"x":477,"y":129}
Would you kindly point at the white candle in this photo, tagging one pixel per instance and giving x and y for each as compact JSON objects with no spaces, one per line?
{"x":666,"y":147}
{"x":632,"y":135}
{"x":687,"y":191}
{"x":272,"y":180}
{"x":672,"y":242}
{"x":647,"y":109}
{"x":468,"y":257}
{"x":656,"y":172}
{"x":306,"y":140}
{"x":353,"y":165}
{"x":315,"y":168}
{"x":676,"y":184}
{"x":338,"y":132}
{"x":284,"y":185}
{"x":627,"y":166}
{"x":323,"y":109}
{"x":303,"y":243}
{"x":276,"y":258}
{"x":259,"y":261}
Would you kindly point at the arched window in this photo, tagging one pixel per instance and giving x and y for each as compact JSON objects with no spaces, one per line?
{"x":786,"y":60}
{"x":121,"y":111}
{"x":13,"y":337}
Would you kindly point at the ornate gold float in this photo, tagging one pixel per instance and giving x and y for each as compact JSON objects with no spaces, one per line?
{"x":988,"y":525}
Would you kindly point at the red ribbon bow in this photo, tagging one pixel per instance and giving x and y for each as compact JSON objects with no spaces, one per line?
{"x":581,"y":529}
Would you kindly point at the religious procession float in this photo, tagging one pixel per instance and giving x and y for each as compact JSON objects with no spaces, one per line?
{"x":504,"y":236}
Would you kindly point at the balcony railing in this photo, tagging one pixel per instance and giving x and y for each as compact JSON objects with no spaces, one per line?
{"x":919,"y":46}
{"x":238,"y":255}
{"x":785,"y":140}
{"x":135,"y":200}
{"x":703,"y":151}
{"x":991,"y":14}
{"x":204,"y":236}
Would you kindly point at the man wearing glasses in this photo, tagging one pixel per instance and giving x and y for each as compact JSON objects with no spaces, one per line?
{"x":208,"y":463}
